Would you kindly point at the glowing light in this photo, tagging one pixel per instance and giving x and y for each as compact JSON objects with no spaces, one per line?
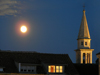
{"x":22,"y":33}
{"x":23,"y":29}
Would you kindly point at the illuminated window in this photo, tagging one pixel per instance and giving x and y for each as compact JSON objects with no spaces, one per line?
{"x":59,"y":69}
{"x":53,"y":69}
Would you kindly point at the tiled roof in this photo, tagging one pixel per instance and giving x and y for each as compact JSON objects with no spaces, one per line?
{"x":7,"y":60}
{"x":54,"y":58}
{"x":87,"y":69}
{"x":40,"y":70}
{"x":70,"y":69}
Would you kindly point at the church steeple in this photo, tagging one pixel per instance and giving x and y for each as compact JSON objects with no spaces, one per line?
{"x":84,"y":52}
{"x":84,"y":31}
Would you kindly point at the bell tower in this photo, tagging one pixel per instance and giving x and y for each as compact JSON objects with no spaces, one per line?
{"x":84,"y":51}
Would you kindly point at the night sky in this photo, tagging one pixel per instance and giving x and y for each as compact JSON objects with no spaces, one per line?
{"x":53,"y":25}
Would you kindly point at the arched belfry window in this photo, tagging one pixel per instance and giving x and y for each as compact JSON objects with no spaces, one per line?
{"x":83,"y":58}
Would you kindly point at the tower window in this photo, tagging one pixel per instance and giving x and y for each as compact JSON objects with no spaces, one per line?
{"x":85,"y":43}
{"x":83,"y":58}
{"x":82,"y":43}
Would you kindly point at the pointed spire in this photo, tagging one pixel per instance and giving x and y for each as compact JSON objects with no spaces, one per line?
{"x":84,"y":31}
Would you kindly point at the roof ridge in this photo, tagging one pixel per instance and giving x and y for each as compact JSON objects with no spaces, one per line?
{"x":19,"y":51}
{"x":31,"y":52}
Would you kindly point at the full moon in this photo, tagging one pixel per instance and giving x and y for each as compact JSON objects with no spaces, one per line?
{"x":23,"y":29}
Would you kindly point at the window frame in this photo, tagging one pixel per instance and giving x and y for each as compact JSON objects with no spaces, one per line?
{"x":49,"y":68}
{"x":82,"y":43}
{"x":60,"y":68}
{"x":1,"y":69}
{"x":26,"y":69}
{"x":55,"y":69}
{"x":86,"y":43}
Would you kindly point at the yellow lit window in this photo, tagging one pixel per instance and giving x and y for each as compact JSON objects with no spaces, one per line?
{"x":59,"y":69}
{"x":51,"y":69}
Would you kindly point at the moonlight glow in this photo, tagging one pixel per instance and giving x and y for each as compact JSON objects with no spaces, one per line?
{"x":23,"y":29}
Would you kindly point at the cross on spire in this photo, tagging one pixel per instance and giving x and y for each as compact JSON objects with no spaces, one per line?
{"x":84,"y":6}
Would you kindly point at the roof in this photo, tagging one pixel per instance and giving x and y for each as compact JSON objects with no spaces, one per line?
{"x":54,"y":58}
{"x":37,"y":58}
{"x":98,"y":53}
{"x":87,"y":69}
{"x":8,"y":59}
{"x":84,"y":31}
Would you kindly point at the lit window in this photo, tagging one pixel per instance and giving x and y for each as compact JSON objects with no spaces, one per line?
{"x":53,"y":69}
{"x":82,"y":43}
{"x":59,"y":69}
{"x":85,"y":43}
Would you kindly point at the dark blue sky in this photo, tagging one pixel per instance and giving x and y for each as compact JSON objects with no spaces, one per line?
{"x":53,"y":25}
